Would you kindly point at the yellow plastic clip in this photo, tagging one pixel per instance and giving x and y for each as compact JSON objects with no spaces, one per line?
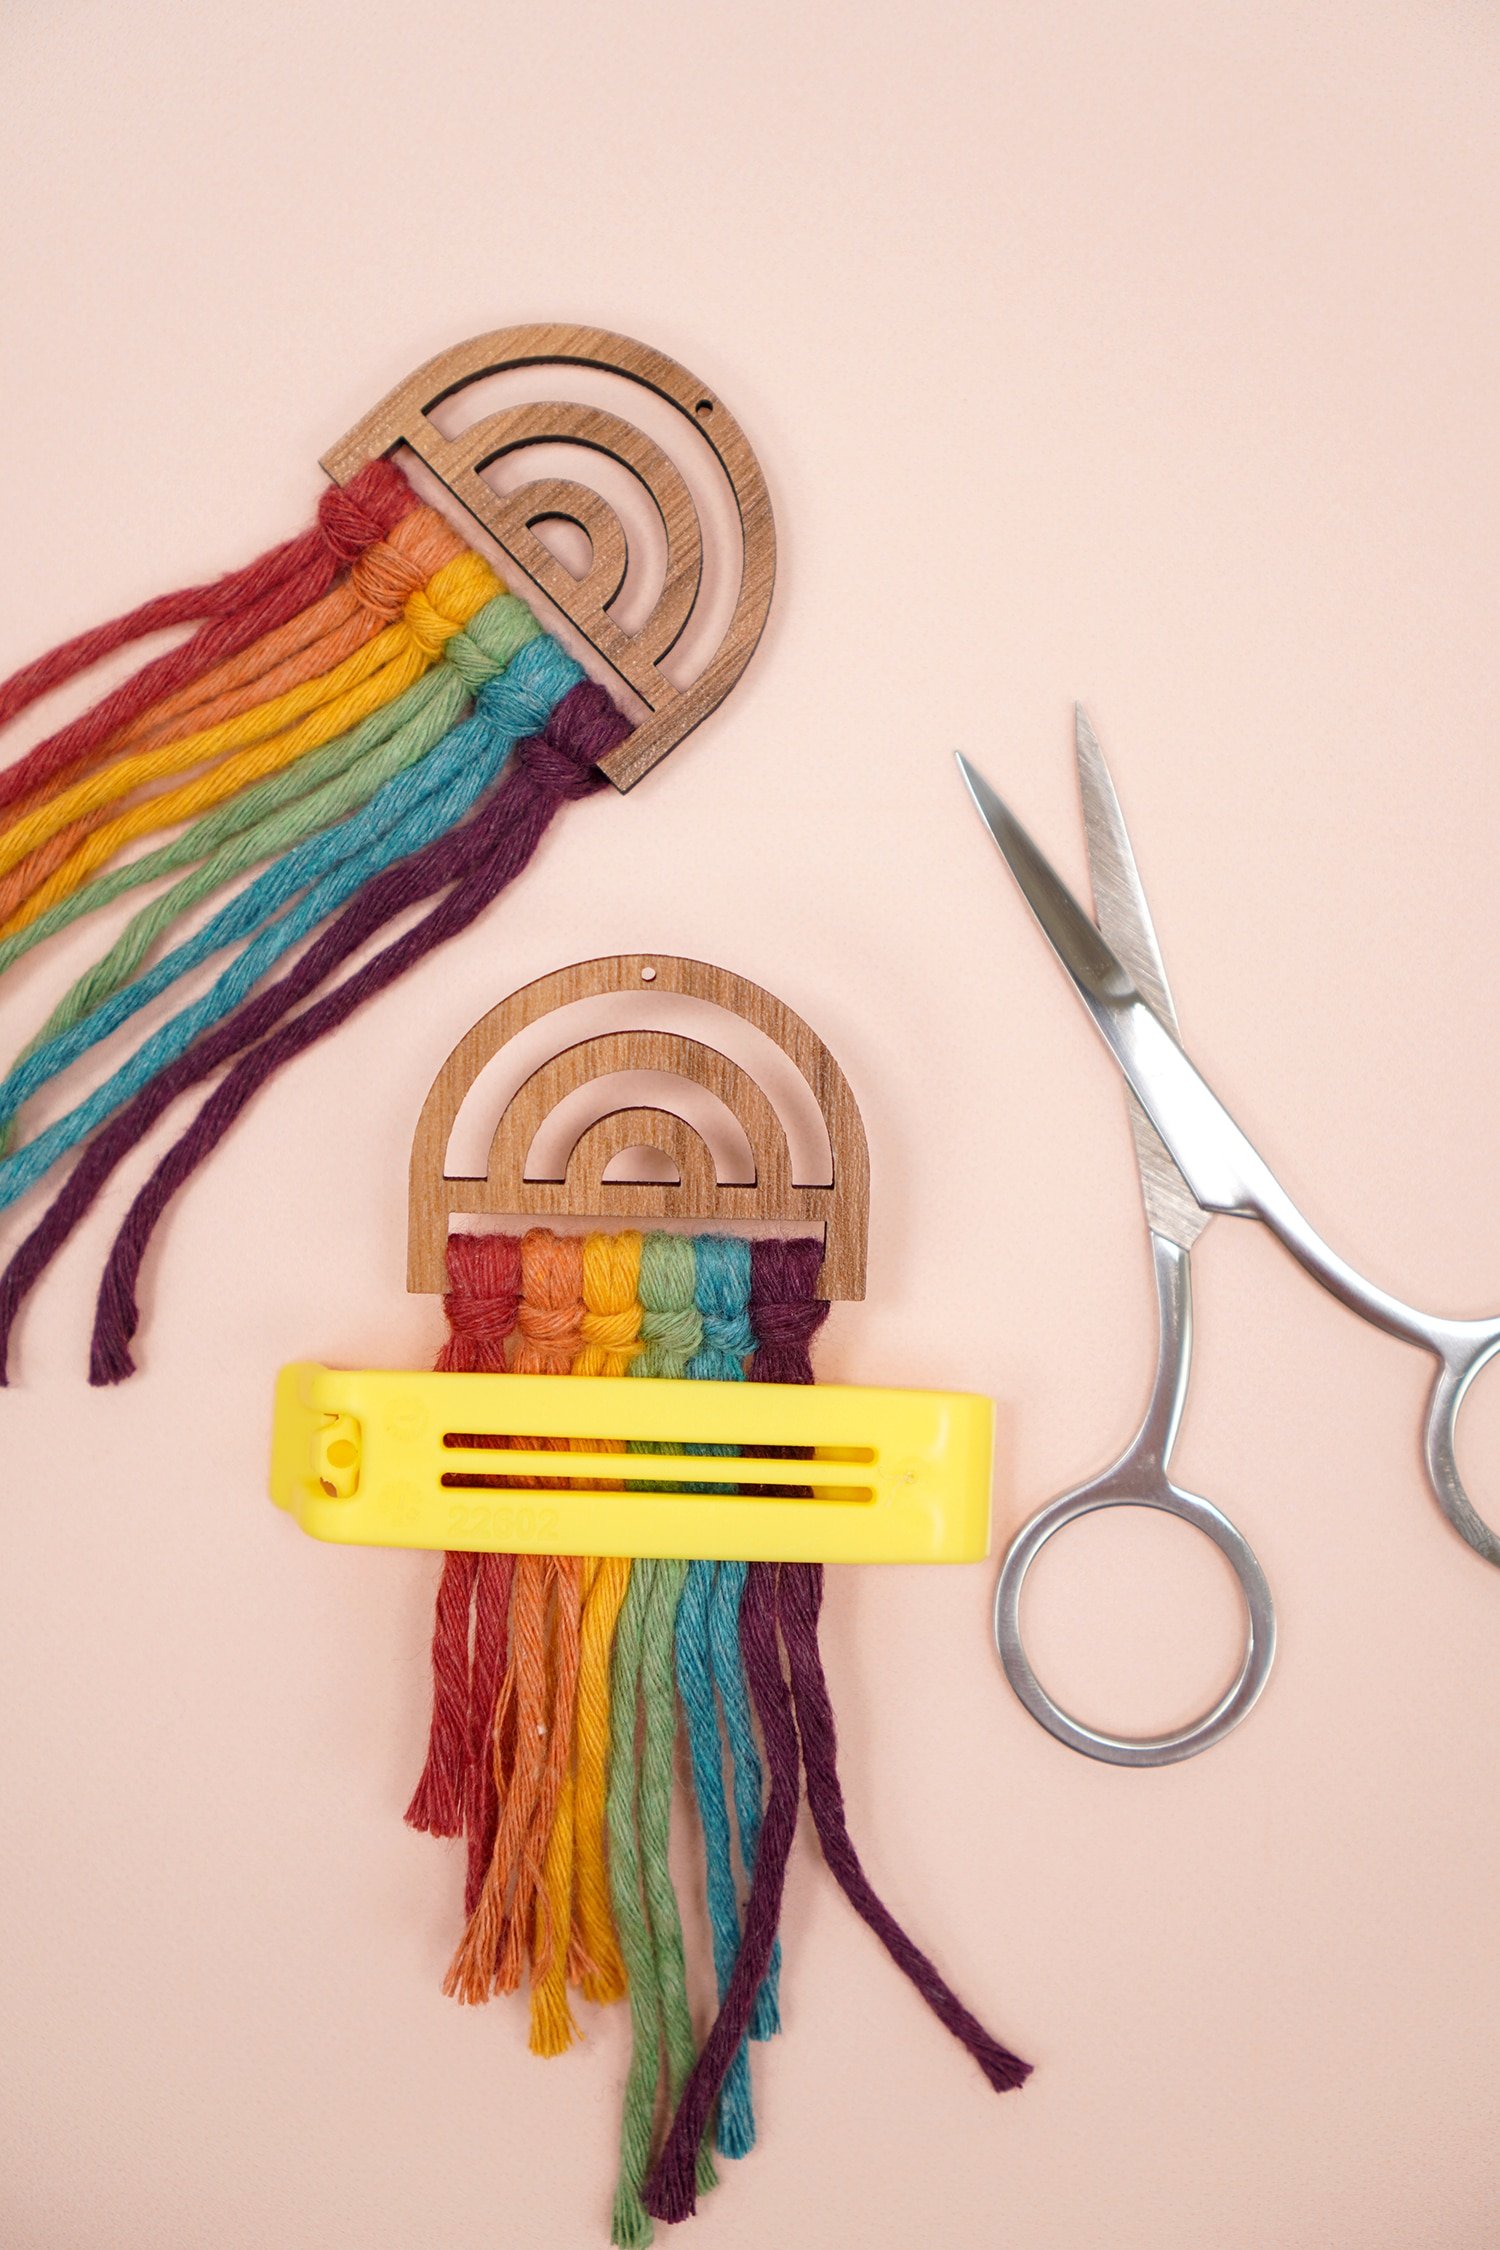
{"x":826,"y":1473}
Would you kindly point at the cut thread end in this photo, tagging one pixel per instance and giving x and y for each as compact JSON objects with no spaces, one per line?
{"x":553,"y":2030}
{"x":672,"y":2190}
{"x":630,"y":2224}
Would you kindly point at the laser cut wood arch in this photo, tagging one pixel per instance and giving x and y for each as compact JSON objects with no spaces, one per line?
{"x":841,"y":1208}
{"x":511,"y":518}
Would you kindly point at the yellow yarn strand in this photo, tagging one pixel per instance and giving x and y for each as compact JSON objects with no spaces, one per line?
{"x":611,"y":1340}
{"x":389,"y":664}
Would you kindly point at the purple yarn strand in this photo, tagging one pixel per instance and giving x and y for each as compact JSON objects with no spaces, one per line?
{"x":785,"y":1315}
{"x":799,"y":1599}
{"x":490,"y":848}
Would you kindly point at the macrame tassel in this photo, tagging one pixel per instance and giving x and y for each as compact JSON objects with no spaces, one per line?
{"x":312,"y":643}
{"x":560,"y":1961}
{"x":477,"y":860}
{"x":671,"y":1335}
{"x":595,"y":1964}
{"x":231,"y":613}
{"x":481,"y":1304}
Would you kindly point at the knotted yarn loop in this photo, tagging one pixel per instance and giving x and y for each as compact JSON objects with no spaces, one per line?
{"x":383,"y":579}
{"x":784,"y":1311}
{"x":617,"y":1332}
{"x":673,"y":1333}
{"x":520,"y":701}
{"x":588,"y":727}
{"x":484,"y":1288}
{"x":427,"y":625}
{"x":547,"y":1324}
{"x":481,"y":1318}
{"x":729,"y":1333}
{"x":786,"y":1327}
{"x":490,"y":641}
{"x":353,"y":517}
{"x":555,"y":767}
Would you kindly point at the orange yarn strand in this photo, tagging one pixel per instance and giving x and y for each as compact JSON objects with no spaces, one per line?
{"x":534,"y":1710}
{"x":611,"y":1330}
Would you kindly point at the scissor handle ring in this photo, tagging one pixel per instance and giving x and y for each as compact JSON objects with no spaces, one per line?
{"x":1471,"y":1345}
{"x":1125,"y":1749}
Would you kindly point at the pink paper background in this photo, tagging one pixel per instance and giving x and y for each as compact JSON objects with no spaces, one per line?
{"x":1143,"y":353}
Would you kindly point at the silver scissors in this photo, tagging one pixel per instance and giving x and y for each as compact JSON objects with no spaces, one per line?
{"x":1194,"y":1161}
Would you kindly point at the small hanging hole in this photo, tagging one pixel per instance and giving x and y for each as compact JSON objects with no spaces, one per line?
{"x":704,"y":408}
{"x":648,"y":974}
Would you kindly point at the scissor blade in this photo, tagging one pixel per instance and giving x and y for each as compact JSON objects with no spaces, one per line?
{"x":1099,"y":975}
{"x":1125,"y":920}
{"x":1120,"y":907}
{"x":1220,"y":1167}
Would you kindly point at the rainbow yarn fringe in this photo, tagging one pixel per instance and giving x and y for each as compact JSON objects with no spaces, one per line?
{"x":362,"y":722}
{"x":561,"y":1688}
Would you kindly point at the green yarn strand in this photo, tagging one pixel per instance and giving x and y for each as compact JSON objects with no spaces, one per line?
{"x":639,"y":1798}
{"x":631,"y":2227}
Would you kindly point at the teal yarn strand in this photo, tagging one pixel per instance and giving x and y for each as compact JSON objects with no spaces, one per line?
{"x":723,"y":1290}
{"x":708,"y":1657}
{"x":728,"y":1659}
{"x":407,"y":813}
{"x":734,"y":2133}
{"x":671,"y":1333}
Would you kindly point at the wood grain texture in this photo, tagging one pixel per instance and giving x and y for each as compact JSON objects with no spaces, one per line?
{"x":511,"y":518}
{"x":841,"y":1208}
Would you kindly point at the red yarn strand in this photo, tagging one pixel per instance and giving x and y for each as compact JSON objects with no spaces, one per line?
{"x":235,"y":610}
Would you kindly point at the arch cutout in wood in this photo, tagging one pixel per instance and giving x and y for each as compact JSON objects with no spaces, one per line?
{"x":841,"y":1208}
{"x":511,"y":518}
